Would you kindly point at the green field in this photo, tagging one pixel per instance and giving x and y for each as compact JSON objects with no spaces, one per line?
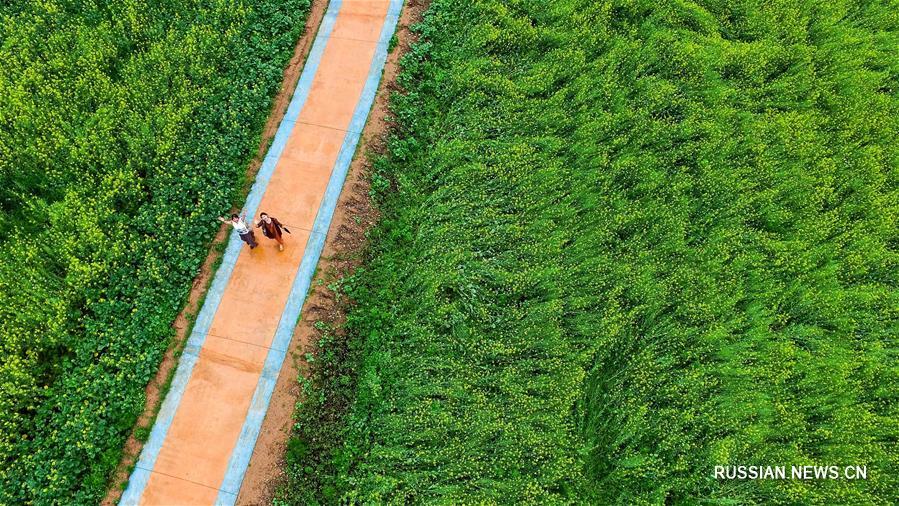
{"x":622,"y":242}
{"x":126,"y":128}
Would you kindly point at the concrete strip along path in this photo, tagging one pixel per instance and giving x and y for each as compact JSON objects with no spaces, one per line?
{"x":204,"y":435}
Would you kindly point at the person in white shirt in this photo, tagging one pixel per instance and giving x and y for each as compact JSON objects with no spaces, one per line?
{"x":240,"y":224}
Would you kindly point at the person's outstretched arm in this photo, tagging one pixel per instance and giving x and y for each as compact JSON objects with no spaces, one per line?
{"x":280,"y":225}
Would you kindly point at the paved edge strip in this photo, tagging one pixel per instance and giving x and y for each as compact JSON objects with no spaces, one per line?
{"x":243,"y":451}
{"x":140,"y":476}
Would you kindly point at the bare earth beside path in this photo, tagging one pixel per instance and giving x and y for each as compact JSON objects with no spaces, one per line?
{"x":341,"y":255}
{"x":155,"y":389}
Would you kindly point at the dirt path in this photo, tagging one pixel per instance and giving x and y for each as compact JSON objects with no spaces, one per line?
{"x":156,"y":388}
{"x":344,"y":244}
{"x":203,"y":438}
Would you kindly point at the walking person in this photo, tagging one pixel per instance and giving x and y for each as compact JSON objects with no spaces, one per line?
{"x":271,"y":228}
{"x":243,"y":230}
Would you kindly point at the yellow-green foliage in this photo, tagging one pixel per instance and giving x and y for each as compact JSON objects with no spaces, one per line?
{"x":125,"y":127}
{"x":626,"y":241}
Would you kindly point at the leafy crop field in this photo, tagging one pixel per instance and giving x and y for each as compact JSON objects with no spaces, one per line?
{"x":125,"y":127}
{"x":622,"y":242}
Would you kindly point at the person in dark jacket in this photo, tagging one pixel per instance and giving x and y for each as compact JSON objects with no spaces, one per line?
{"x":272,"y":228}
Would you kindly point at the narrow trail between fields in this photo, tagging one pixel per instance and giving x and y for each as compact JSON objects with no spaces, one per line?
{"x":342,"y":255}
{"x":208,"y":424}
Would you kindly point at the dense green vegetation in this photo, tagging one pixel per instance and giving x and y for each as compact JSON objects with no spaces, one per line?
{"x":624,"y":241}
{"x":125,"y":127}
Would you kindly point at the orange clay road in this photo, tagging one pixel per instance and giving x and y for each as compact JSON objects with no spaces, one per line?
{"x":198,"y":445}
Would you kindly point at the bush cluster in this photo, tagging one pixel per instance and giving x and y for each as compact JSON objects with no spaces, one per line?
{"x":624,"y":241}
{"x":126,"y":127}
